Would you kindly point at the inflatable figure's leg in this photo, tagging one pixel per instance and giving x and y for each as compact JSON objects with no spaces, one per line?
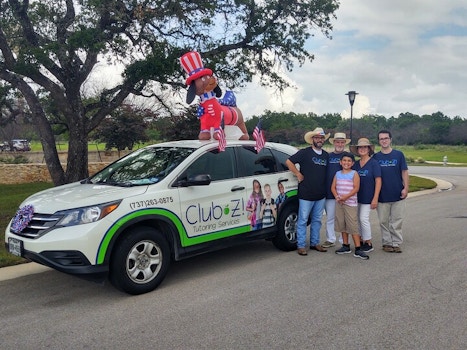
{"x":233,"y":116}
{"x":204,"y":135}
{"x":242,"y":126}
{"x":205,"y":127}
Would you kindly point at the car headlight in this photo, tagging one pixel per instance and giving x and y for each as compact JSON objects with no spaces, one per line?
{"x":86,"y":215}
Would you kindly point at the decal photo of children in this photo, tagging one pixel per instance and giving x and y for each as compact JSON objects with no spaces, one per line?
{"x":281,"y":197}
{"x":268,"y":211}
{"x":253,"y":206}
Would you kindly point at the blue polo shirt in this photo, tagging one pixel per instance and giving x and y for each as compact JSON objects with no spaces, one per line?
{"x":334,"y":166}
{"x":313,"y":167}
{"x":368,"y":174}
{"x":392,"y":165}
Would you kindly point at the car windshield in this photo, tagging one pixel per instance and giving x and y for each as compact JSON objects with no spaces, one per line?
{"x":143,"y":167}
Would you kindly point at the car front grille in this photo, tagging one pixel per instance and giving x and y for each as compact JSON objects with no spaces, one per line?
{"x":39,"y":225}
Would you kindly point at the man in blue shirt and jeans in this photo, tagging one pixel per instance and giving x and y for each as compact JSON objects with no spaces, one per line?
{"x":394,"y":191}
{"x":311,"y":178}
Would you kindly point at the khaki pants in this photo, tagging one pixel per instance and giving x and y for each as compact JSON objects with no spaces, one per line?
{"x":346,"y":219}
{"x":390,"y":217}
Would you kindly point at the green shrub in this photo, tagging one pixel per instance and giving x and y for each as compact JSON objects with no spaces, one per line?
{"x":20,"y":159}
{"x":420,"y":147}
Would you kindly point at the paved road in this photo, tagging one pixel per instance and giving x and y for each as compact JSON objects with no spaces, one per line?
{"x":254,"y":297}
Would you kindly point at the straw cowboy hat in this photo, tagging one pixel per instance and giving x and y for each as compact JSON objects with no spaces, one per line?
{"x":318,"y":131}
{"x":361,"y":143}
{"x":339,"y":136}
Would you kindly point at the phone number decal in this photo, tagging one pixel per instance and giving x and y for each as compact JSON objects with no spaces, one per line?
{"x":151,"y":202}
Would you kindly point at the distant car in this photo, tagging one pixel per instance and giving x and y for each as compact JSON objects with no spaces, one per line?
{"x":164,"y":202}
{"x":20,"y":145}
{"x":5,"y":146}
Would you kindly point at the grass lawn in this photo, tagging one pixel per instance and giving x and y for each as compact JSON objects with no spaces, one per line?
{"x":431,"y":153}
{"x":435,"y":153}
{"x":13,"y":195}
{"x":417,"y":155}
{"x":419,"y":184}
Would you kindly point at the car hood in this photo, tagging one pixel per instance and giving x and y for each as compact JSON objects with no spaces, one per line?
{"x":78,"y":195}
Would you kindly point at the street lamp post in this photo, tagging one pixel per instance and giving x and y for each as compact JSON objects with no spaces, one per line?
{"x":351,"y":95}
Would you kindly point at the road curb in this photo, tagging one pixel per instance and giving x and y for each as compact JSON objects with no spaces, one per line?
{"x":12,"y":272}
{"x":441,"y":185}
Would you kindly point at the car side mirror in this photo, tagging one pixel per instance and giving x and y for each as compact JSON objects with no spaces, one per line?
{"x":195,"y":180}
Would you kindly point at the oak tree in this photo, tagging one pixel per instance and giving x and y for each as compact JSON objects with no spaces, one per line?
{"x":50,"y":49}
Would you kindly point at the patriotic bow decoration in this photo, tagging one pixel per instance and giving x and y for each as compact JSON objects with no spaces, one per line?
{"x":22,"y":218}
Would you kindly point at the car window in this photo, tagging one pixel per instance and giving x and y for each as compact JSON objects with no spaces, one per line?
{"x":256,"y":163}
{"x":142,"y":167}
{"x":219,"y":165}
{"x":281,"y":157}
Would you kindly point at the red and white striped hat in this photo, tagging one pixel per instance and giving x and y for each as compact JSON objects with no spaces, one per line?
{"x":193,"y":66}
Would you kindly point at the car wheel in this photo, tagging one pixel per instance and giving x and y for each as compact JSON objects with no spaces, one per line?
{"x":286,"y":238}
{"x":140,"y":261}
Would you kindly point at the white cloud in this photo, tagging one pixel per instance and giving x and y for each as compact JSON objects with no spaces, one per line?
{"x":401,"y":56}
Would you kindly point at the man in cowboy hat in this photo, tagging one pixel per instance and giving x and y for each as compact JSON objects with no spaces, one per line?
{"x":311,"y":177}
{"x":339,"y":141}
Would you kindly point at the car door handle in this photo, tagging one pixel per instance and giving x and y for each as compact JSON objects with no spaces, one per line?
{"x":237,"y":188}
{"x":283,"y":179}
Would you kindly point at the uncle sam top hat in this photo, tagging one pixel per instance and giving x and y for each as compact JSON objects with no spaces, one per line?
{"x":193,"y":66}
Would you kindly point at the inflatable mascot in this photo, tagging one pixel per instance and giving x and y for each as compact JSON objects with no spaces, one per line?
{"x":211,"y":111}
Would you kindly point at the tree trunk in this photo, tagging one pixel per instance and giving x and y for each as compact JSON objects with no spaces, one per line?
{"x":77,"y":162}
{"x":44,"y":129}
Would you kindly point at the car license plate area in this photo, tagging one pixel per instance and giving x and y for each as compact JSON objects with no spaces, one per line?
{"x":15,"y":246}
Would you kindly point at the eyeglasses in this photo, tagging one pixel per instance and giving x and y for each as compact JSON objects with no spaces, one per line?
{"x":384,"y":138}
{"x":318,"y":137}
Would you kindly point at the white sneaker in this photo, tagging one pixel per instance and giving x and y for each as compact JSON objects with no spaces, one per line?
{"x":328,"y":244}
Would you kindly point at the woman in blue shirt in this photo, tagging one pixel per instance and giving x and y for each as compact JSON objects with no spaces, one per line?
{"x":370,"y":187}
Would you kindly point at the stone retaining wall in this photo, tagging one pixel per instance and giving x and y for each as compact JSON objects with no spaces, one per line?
{"x":36,"y":170}
{"x":25,"y":173}
{"x":93,"y":156}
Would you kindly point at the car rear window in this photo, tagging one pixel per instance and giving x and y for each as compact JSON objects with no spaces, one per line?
{"x":253,"y":163}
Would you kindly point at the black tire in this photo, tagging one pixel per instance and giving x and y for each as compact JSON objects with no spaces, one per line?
{"x":286,"y":237}
{"x":140,"y":261}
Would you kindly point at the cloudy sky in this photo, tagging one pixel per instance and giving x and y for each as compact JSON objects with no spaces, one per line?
{"x":399,"y":55}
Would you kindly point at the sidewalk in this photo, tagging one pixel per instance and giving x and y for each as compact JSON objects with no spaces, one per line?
{"x":11,"y":272}
{"x":447,"y":164}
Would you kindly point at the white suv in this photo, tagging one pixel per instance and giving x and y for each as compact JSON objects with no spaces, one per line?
{"x":20,"y":145}
{"x":164,"y":202}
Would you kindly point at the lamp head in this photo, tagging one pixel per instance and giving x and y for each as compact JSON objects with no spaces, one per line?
{"x":352,"y":95}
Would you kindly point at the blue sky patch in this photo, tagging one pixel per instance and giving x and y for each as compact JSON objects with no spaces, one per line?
{"x":444,"y":30}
